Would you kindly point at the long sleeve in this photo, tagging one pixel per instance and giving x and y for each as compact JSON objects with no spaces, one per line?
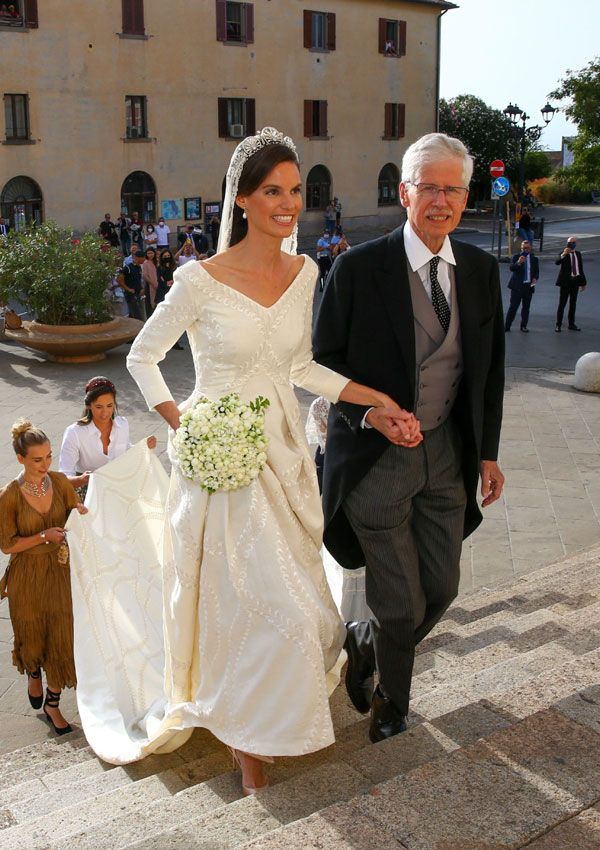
{"x":69,"y":452}
{"x":9,"y":532}
{"x":306,"y":373}
{"x":170,"y":320}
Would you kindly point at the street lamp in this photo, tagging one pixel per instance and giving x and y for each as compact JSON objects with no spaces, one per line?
{"x":515,"y":114}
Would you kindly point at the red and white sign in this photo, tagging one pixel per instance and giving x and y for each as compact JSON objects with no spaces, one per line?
{"x":497,"y":168}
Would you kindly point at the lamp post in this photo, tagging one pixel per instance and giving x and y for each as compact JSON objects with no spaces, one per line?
{"x":515,"y":114}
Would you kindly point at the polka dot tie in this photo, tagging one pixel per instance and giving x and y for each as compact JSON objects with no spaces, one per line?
{"x":438,"y":299}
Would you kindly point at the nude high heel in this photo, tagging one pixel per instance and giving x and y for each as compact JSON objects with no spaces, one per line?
{"x":239,"y":758}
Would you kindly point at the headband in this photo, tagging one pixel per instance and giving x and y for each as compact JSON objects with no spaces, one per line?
{"x":100,"y":381}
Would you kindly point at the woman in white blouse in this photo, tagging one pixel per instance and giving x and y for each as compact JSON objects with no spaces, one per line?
{"x":101,"y":435}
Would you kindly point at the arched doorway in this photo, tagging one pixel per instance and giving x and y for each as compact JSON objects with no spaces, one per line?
{"x":387,"y":186}
{"x":21,"y":202}
{"x":318,"y":188}
{"x":138,"y":194}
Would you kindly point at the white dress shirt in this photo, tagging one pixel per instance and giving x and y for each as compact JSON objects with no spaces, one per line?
{"x":82,"y":450}
{"x":419,"y":256}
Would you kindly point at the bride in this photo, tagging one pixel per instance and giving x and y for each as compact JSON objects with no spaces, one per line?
{"x":250,"y":627}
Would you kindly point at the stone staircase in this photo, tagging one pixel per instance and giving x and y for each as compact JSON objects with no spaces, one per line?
{"x":503,"y":751}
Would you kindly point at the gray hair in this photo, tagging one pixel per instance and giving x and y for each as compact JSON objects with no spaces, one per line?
{"x":432,"y":148}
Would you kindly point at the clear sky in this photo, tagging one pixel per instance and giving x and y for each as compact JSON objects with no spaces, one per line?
{"x":514,"y":50}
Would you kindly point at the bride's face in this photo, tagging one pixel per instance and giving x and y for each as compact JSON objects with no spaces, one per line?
{"x":275,"y":206}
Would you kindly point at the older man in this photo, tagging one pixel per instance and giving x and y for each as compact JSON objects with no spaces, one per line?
{"x":571,"y":279}
{"x":419,"y":316}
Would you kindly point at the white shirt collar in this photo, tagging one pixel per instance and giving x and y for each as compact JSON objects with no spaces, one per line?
{"x":418,"y":253}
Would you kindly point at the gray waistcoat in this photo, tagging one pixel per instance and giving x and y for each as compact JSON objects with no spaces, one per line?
{"x":439,"y":357}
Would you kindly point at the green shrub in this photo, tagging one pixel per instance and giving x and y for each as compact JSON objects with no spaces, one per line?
{"x":57,"y":278}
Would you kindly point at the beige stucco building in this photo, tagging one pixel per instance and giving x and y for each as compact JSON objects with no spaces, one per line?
{"x":141,"y":103}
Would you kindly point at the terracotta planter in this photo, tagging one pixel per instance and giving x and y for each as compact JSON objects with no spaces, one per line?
{"x":76,"y":343}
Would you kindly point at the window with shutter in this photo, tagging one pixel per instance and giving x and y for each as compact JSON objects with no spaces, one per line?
{"x":394,"y":121}
{"x":133,"y":17}
{"x":18,"y":14}
{"x":136,"y":126}
{"x":235,"y":22}
{"x":248,"y":23}
{"x":319,"y":30}
{"x":315,"y":119}
{"x":16,"y":117}
{"x":392,"y":37}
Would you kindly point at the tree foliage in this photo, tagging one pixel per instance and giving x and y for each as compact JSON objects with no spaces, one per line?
{"x":581,"y":90}
{"x":488,"y":134}
{"x":537,"y":165}
{"x":59,"y":279}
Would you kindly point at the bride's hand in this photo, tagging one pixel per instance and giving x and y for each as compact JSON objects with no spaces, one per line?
{"x":401,"y":426}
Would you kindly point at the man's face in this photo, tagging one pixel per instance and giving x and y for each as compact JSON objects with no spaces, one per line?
{"x":526,"y":247}
{"x":572,"y":242}
{"x":139,"y":260}
{"x":434,"y":216}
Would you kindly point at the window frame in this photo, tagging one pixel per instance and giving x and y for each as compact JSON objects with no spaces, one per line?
{"x":10,"y":97}
{"x":132,"y":18}
{"x":316,"y":118}
{"x":248,"y":106}
{"x":324,"y":195}
{"x":399,"y":37}
{"x":394,"y":122}
{"x":131,"y":101}
{"x":246,"y":22}
{"x":393,"y":185}
{"x":329,"y":31}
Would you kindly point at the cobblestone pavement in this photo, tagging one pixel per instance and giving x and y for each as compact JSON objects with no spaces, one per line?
{"x":550,"y":453}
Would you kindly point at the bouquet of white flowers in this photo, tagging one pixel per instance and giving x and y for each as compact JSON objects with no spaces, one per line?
{"x":221,"y":445}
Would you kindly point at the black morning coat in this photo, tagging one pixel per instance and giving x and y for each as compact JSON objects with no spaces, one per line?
{"x":364,"y":329}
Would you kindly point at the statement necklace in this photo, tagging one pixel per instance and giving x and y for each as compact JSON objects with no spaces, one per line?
{"x":37,"y":490}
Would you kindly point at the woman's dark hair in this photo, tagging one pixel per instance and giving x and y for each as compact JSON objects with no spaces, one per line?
{"x":24,"y":434}
{"x":169,"y":263}
{"x":94,"y":388}
{"x":150,"y":248}
{"x":255,"y":169}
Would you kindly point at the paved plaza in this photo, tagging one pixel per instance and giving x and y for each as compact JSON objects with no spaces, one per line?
{"x":550,"y":454}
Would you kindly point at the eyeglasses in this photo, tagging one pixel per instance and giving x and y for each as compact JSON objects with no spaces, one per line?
{"x":430,"y":190}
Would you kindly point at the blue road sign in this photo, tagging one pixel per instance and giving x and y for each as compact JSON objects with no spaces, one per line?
{"x":501,"y":186}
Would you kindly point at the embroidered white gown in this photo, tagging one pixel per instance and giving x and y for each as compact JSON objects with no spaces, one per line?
{"x":250,"y":627}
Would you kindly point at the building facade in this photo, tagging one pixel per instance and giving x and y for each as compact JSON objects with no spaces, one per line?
{"x":137,"y":105}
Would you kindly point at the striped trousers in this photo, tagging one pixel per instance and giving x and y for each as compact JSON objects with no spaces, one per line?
{"x":408,"y":515}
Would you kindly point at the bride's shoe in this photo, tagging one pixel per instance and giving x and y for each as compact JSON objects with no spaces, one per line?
{"x":241,"y":759}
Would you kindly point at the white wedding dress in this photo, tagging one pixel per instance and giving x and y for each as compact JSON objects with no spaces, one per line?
{"x":250,"y":627}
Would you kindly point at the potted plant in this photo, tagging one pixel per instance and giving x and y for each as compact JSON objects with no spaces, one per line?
{"x":62,"y":282}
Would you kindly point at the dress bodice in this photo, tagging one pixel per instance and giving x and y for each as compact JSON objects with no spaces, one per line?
{"x":237,"y":344}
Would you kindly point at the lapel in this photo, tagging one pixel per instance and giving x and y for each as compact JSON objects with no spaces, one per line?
{"x":465,"y":275}
{"x":393,"y":284}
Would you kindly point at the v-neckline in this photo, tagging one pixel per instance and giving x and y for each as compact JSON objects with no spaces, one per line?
{"x":252,"y":300}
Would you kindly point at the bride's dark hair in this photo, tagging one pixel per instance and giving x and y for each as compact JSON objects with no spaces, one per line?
{"x":255,"y":169}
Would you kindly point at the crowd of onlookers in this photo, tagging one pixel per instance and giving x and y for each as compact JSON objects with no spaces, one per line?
{"x":146,"y":274}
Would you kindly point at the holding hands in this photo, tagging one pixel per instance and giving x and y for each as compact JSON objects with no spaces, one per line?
{"x":399,"y":426}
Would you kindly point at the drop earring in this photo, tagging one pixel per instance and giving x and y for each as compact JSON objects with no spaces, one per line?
{"x":244,"y":214}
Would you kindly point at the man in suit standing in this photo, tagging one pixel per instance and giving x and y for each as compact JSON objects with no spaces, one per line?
{"x":4,"y":227}
{"x":571,"y":279}
{"x":525,"y":270}
{"x":418,"y":316}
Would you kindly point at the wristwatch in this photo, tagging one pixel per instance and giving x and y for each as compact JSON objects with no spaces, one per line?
{"x":43,"y":536}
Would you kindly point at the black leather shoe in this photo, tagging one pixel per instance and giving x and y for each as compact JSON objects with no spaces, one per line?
{"x":524,"y":331}
{"x":386,"y":720}
{"x":558,"y":329}
{"x":359,"y":674}
{"x":574,"y":328}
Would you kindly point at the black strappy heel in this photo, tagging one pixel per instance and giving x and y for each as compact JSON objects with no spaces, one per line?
{"x":35,"y":702}
{"x":52,"y":700}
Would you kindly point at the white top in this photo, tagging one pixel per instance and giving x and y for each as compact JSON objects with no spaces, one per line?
{"x":81,"y":448}
{"x":419,"y":256}
{"x":162,"y":232}
{"x":183,"y":259}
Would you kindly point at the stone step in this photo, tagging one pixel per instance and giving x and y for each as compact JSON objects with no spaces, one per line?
{"x":105,"y":797}
{"x":502,"y":792}
{"x":34,"y":760}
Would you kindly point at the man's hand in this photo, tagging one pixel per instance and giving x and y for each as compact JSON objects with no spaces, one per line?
{"x":399,"y":426}
{"x":581,"y":288}
{"x":492,"y":482}
{"x":521,"y":260}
